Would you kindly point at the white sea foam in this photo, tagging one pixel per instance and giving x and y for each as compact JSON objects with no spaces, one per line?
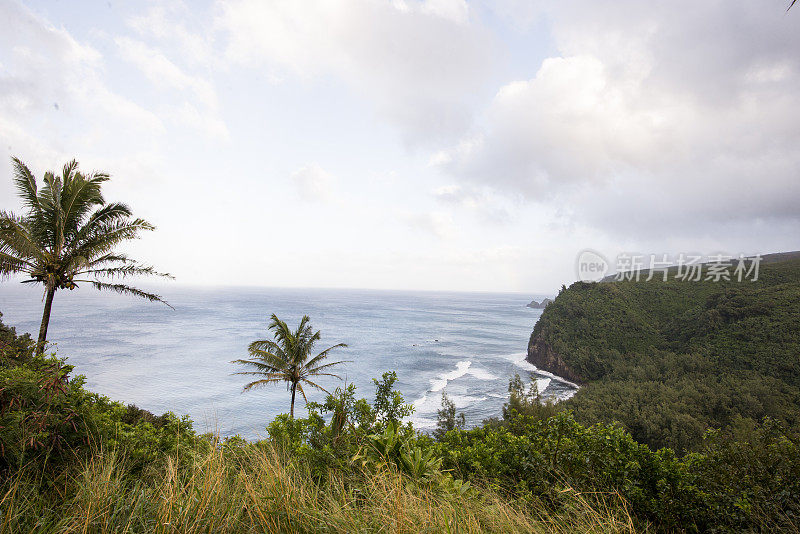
{"x":482,"y":374}
{"x":557,"y":378}
{"x":429,"y":403}
{"x":439,"y":383}
{"x":542,"y":383}
{"x":462,"y":368}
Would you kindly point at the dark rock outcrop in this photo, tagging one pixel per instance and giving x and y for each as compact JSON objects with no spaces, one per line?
{"x":539,"y":305}
{"x":542,"y":355}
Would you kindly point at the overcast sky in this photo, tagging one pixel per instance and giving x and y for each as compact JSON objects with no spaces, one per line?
{"x":436,"y":144}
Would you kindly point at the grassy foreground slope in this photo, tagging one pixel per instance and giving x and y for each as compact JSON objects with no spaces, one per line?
{"x":75,"y":461}
{"x":670,"y":360}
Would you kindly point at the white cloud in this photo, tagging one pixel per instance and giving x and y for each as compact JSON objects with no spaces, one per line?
{"x":313,"y":183}
{"x":680,"y":114}
{"x":45,"y":68}
{"x":163,"y":72}
{"x":454,"y":10}
{"x":421,"y":63}
{"x":437,"y":223}
{"x":489,"y":206}
{"x":167,"y":23}
{"x":206,"y":121}
{"x":54,"y":101}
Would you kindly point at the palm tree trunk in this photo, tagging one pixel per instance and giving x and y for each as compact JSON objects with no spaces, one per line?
{"x":48,"y":305}
{"x":291,"y":409}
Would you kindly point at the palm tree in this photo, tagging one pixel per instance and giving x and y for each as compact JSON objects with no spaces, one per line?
{"x":68,"y":236}
{"x":285,"y":359}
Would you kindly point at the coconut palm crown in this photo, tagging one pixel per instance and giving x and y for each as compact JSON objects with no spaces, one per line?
{"x":68,"y":236}
{"x":286,"y":359}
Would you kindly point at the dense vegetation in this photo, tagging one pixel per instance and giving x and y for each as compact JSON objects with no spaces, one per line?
{"x":670,"y":360}
{"x":74,"y":461}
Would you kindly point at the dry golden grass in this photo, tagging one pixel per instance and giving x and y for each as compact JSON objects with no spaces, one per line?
{"x":258,"y":490}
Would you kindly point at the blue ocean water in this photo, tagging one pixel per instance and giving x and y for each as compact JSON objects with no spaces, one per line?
{"x":467,"y":344}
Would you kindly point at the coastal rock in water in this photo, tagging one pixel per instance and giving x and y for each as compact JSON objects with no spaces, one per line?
{"x":542,"y":355}
{"x":539,"y":305}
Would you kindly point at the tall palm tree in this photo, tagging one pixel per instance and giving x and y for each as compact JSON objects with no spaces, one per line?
{"x":68,"y":236}
{"x":285,"y":359}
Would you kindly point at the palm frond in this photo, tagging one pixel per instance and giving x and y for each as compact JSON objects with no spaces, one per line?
{"x":26,"y":184}
{"x":281,"y":332}
{"x":113,"y":212}
{"x":53,"y":214}
{"x":269,"y":358}
{"x":263,"y":367}
{"x":315,"y":370}
{"x":315,"y":385}
{"x":105,"y":236}
{"x":125,"y":271}
{"x":324,"y":354}
{"x":272,"y":376}
{"x":124,"y":289}
{"x":259,"y":383}
{"x":16,"y":239}
{"x":11,"y":264}
{"x":305,"y":378}
{"x":79,"y":196}
{"x":302,"y":392}
{"x":75,"y":263}
{"x":267,"y":345}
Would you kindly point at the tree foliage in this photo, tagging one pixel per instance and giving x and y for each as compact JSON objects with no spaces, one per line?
{"x":670,"y":360}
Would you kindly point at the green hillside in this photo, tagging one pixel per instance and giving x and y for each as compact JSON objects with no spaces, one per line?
{"x":670,"y":360}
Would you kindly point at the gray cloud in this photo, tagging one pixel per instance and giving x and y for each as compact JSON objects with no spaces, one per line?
{"x":420,"y":63}
{"x":680,"y":112}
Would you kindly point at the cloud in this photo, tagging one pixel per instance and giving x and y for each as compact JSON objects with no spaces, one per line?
{"x":420,"y":63}
{"x":488,"y":205}
{"x":210,"y":123}
{"x":167,"y":23}
{"x":678,"y":114}
{"x":44,"y":68}
{"x":313,"y":183}
{"x":54,"y":101}
{"x":165,"y":74}
{"x":437,"y":223}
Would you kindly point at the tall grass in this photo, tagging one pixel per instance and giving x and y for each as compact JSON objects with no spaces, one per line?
{"x":257,"y":489}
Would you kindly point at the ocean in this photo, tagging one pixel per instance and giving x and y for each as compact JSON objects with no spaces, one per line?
{"x":134,"y":351}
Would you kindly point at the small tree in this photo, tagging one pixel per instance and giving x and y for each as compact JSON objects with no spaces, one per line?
{"x":528,"y":403}
{"x":285,"y":359}
{"x":447,"y":419}
{"x":390,"y":405}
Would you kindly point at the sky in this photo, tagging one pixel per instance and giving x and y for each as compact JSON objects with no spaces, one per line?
{"x":414,"y":144}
